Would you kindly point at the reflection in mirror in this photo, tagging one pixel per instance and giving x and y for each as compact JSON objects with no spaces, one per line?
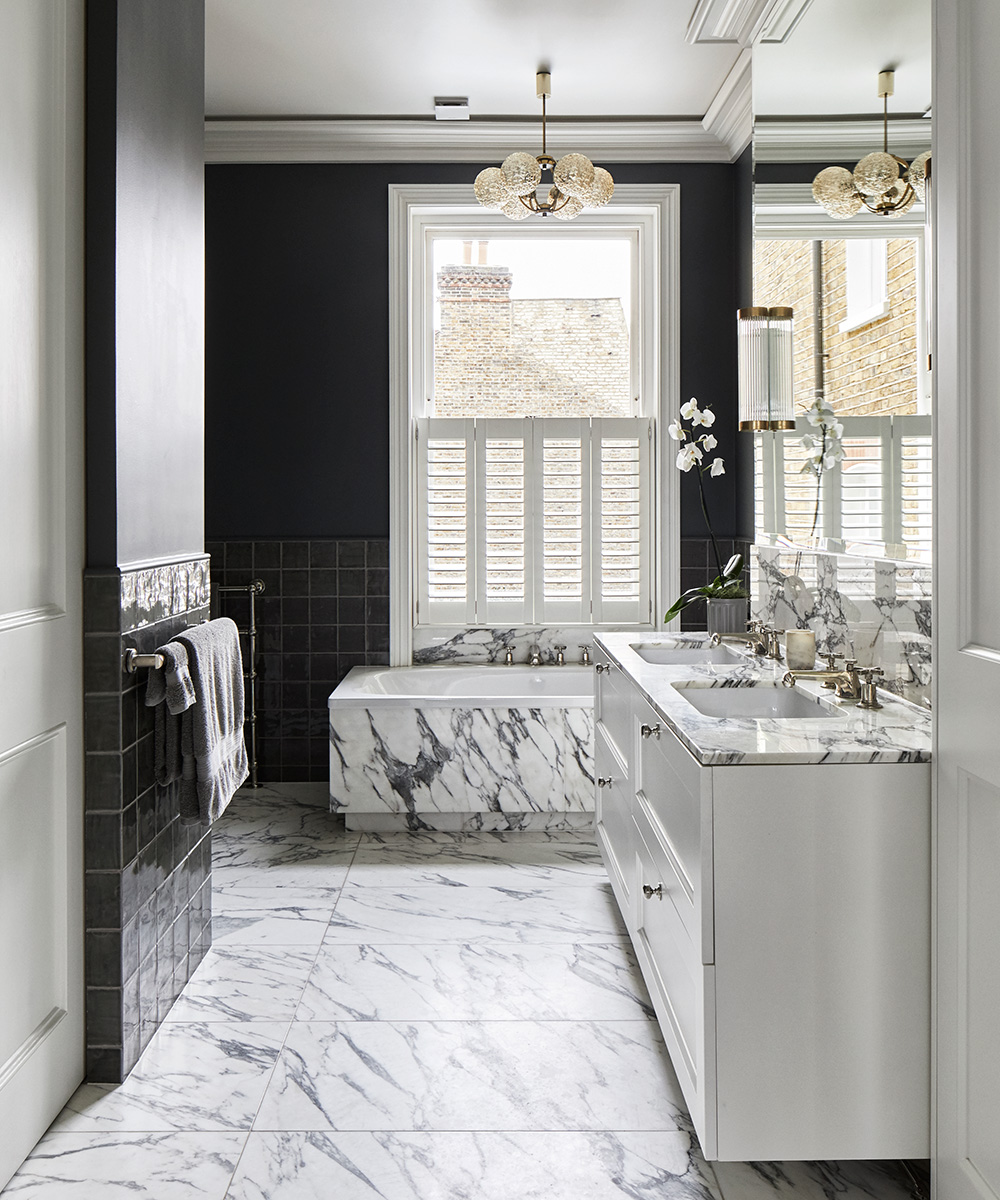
{"x":854,"y":477}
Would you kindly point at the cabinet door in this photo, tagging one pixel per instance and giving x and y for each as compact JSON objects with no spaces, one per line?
{"x":682,"y":990}
{"x":613,"y":819}
{"x":613,"y":706}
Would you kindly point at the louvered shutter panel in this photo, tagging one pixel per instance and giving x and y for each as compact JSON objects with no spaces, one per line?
{"x":445,"y":529}
{"x":502,"y":497}
{"x":861,"y":490}
{"x":916,"y":474}
{"x":562,"y":520}
{"x":621,"y":457}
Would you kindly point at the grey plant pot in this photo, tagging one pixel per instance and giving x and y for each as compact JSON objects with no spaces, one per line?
{"x":727,"y":616}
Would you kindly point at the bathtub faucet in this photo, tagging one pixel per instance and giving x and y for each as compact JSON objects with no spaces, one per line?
{"x":560,"y":658}
{"x":508,"y":657}
{"x":534,"y":657}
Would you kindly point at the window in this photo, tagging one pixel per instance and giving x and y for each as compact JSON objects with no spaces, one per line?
{"x":537,"y":362}
{"x":867,"y":287}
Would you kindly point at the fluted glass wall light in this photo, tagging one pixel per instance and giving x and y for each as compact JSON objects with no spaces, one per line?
{"x":513,"y":187}
{"x":875,"y":183}
{"x":765,"y":368}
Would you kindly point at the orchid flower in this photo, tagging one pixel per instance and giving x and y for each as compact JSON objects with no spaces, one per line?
{"x":718,"y":467}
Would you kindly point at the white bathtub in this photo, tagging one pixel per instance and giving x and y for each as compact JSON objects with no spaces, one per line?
{"x":467,"y":686}
{"x":463,"y":747}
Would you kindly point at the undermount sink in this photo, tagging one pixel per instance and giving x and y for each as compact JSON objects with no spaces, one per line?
{"x":762,"y":702}
{"x":667,"y":655}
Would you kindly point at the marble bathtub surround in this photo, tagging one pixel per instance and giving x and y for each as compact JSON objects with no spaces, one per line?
{"x":428,"y":767}
{"x":484,"y":644}
{"x":899,"y":732}
{"x":875,"y":610}
{"x":491,"y":1066}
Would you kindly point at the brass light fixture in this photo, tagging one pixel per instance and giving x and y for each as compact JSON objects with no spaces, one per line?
{"x":875,"y":183}
{"x":513,"y":187}
{"x":765,"y":368}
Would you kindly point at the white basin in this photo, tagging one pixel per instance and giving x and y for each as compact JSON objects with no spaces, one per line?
{"x":667,"y":655}
{"x":762,"y":702}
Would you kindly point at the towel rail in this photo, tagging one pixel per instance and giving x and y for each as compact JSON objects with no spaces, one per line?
{"x":252,"y":590}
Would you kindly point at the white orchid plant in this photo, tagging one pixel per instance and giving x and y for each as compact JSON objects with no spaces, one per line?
{"x":693,"y":455}
{"x":824,"y":448}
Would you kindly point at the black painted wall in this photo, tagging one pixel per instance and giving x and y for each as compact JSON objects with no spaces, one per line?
{"x":297,"y":376}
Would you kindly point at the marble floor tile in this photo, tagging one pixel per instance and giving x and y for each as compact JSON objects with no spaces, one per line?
{"x":298,"y":876}
{"x":576,"y":915}
{"x":280,"y":851}
{"x":244,"y":983}
{"x":472,"y":1166}
{"x":190,"y":1077}
{"x":464,"y":1075}
{"x":478,"y":982}
{"x":137,"y":1166}
{"x":877,"y":1180}
{"x":483,"y":859}
{"x":241,"y":918}
{"x":271,"y":820}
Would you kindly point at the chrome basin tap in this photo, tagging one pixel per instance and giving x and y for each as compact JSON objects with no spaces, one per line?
{"x":534,"y":657}
{"x":508,"y":657}
{"x":560,"y":658}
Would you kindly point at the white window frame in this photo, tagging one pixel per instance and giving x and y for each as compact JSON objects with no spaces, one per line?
{"x":867,"y":272}
{"x":416,"y":213}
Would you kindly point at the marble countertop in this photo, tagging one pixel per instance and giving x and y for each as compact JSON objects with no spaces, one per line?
{"x":899,"y":732}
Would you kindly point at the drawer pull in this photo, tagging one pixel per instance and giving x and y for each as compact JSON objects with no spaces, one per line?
{"x":602,"y":667}
{"x":650,"y":730}
{"x":604,"y":781}
{"x":650,"y":892}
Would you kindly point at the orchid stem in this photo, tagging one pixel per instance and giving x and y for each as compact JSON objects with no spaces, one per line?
{"x":708,"y":523}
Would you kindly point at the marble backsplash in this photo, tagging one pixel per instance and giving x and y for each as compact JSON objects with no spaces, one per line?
{"x":482,"y":644}
{"x":875,"y":610}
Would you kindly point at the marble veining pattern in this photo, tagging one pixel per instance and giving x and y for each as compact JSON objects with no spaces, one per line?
{"x":475,"y":1058}
{"x":473,"y":1075}
{"x":898,"y":732}
{"x":483,"y":644}
{"x":460,"y":1166}
{"x":875,"y":610}
{"x":414,"y":761}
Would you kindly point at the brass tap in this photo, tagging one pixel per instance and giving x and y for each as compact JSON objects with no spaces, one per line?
{"x":846,"y":682}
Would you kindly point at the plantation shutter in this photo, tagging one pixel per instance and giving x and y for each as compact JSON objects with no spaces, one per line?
{"x":879,"y":493}
{"x":534,"y":521}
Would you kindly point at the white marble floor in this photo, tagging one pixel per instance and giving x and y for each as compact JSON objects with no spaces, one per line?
{"x":443,"y":1017}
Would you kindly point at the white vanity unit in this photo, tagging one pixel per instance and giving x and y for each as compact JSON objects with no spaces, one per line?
{"x":774,"y":874}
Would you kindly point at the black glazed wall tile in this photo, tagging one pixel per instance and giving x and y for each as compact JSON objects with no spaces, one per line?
{"x":323,"y":554}
{"x":104,"y":1008}
{"x":323,"y":610}
{"x":322,"y":639}
{"x":295,"y":639}
{"x":295,"y":611}
{"x":377,"y":582}
{"x":103,"y":781}
{"x":377,"y":553}
{"x":101,"y":601}
{"x":103,"y":958}
{"x":130,"y":833}
{"x":102,"y":900}
{"x":102,"y":717}
{"x":102,"y":662}
{"x":104,"y":1064}
{"x":351,"y":553}
{"x":103,"y":840}
{"x":324,"y":582}
{"x":265,"y":555}
{"x":294,"y":554}
{"x":351,"y":582}
{"x":239,"y":556}
{"x":351,"y":610}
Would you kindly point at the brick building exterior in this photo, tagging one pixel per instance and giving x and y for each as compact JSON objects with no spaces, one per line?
{"x":871,"y":370}
{"x":498,"y":357}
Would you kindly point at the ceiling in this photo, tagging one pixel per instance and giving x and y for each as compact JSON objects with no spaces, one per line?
{"x":326,"y":58}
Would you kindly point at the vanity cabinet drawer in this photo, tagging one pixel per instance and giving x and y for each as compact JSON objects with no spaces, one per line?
{"x":675,"y":818}
{"x":613,"y":818}
{"x":613,"y":710}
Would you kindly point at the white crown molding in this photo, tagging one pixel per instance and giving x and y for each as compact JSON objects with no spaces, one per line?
{"x":230,"y":141}
{"x":730,"y":115}
{"x":788,"y":210}
{"x":744,"y":22}
{"x":838,"y":140}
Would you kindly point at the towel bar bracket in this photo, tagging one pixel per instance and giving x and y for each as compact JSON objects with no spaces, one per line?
{"x":133,"y":661}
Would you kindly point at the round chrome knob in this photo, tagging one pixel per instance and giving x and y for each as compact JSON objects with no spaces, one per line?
{"x":650,"y":730}
{"x":650,"y":892}
{"x":604,"y":781}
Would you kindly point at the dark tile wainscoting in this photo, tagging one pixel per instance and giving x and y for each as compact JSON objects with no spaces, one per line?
{"x":325,"y":609}
{"x":698,"y":568}
{"x":148,"y":878}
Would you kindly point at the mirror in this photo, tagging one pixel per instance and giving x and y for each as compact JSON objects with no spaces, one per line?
{"x":856,"y":480}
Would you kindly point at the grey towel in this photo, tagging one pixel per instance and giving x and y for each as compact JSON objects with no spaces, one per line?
{"x":170,"y":692}
{"x":214,"y":757}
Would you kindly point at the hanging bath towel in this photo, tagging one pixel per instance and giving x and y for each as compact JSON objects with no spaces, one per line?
{"x":170,"y":692}
{"x":214,"y":757}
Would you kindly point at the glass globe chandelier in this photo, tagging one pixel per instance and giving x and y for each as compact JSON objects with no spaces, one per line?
{"x":515,"y":187}
{"x":875,"y":183}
